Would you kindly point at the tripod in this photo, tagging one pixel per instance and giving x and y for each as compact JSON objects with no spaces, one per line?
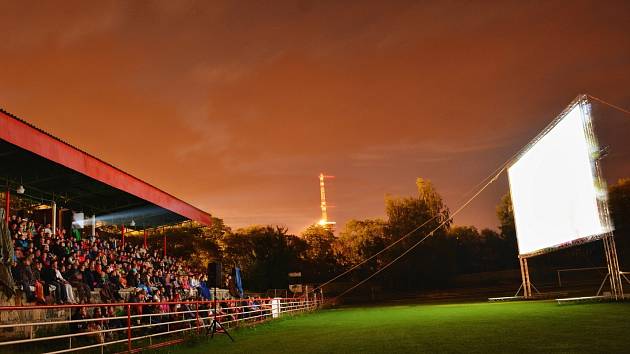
{"x":216,"y":326}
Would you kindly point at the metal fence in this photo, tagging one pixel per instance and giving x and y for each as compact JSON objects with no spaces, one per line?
{"x":131,"y":327}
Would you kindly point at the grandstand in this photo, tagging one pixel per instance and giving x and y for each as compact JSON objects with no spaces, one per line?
{"x":57,"y":180}
{"x":62,"y":278}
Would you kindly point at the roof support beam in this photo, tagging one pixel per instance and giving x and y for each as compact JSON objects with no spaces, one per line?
{"x":21,"y":134}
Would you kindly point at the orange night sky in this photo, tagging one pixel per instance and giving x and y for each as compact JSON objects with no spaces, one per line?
{"x":237,"y":108}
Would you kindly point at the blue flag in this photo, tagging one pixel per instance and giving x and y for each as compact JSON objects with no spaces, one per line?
{"x":238,"y":281}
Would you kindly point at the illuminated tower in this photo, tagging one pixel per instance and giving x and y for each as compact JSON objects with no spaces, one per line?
{"x":330,"y":225}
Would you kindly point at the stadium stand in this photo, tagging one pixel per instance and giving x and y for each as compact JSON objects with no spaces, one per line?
{"x":60,"y":267}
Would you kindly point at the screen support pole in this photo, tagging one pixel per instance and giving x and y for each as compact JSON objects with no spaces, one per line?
{"x":526,"y":285}
{"x":614,"y":275}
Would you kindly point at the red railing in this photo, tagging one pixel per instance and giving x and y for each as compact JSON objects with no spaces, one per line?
{"x":133,"y":323}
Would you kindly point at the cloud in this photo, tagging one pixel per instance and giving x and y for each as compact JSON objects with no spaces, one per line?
{"x":29,"y":25}
{"x":207,"y":131}
{"x":423,"y":152}
{"x":99,"y":23}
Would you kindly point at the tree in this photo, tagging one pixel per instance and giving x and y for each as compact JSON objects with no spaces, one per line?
{"x":185,"y":242}
{"x":405,"y":214}
{"x":432,"y":262}
{"x":507,"y":226}
{"x":619,"y":202}
{"x":499,"y":252}
{"x":264,"y":254}
{"x":482,"y":251}
{"x":469,"y":245}
{"x":320,"y":243}
{"x":359,"y":240}
{"x":505,"y":213}
{"x":319,"y":255}
{"x":217,"y":230}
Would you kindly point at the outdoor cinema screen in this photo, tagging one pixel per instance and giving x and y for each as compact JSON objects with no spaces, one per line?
{"x":557,"y":195}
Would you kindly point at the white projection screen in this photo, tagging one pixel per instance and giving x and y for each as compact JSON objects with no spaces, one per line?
{"x":558,"y":196}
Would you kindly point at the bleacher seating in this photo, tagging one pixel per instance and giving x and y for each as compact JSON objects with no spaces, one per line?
{"x":62,"y":267}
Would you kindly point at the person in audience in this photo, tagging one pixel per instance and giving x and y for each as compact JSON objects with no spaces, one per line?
{"x":45,"y":258}
{"x":47,"y":230}
{"x":83,"y":290}
{"x":87,"y":275}
{"x":79,"y":315}
{"x":139,"y":297}
{"x":132,"y":280}
{"x":97,"y":326}
{"x":27,"y":279}
{"x":144,"y":284}
{"x":204,"y":291}
{"x":22,"y":242}
{"x":40,"y":296}
{"x":67,"y":294}
{"x":110,"y":292}
{"x":50,"y":283}
{"x":113,"y":323}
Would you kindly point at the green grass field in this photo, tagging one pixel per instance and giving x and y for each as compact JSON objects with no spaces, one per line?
{"x":463,"y":328}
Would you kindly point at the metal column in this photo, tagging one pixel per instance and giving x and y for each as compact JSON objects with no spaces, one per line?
{"x":60,"y":218}
{"x":123,"y":236}
{"x":526,"y":285}
{"x":54,"y":218}
{"x":610,"y":250}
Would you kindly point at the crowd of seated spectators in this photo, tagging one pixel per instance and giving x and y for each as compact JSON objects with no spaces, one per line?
{"x":53,"y":266}
{"x":56,"y":267}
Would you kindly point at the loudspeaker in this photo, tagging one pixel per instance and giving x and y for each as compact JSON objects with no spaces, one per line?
{"x":215,"y":274}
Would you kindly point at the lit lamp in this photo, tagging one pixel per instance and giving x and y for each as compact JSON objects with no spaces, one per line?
{"x":20,"y":189}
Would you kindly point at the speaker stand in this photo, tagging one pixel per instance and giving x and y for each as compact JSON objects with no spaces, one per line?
{"x":216,"y":326}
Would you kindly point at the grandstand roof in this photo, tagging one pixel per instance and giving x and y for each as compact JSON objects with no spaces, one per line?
{"x":51,"y":169}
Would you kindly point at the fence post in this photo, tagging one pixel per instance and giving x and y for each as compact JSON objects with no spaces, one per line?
{"x":197,"y":314}
{"x":70,"y":319}
{"x":129,"y":327}
{"x":151,"y":327}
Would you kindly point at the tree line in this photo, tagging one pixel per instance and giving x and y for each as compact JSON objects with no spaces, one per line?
{"x":267,"y":253}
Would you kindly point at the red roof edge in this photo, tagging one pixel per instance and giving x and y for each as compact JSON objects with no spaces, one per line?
{"x":20,"y":133}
